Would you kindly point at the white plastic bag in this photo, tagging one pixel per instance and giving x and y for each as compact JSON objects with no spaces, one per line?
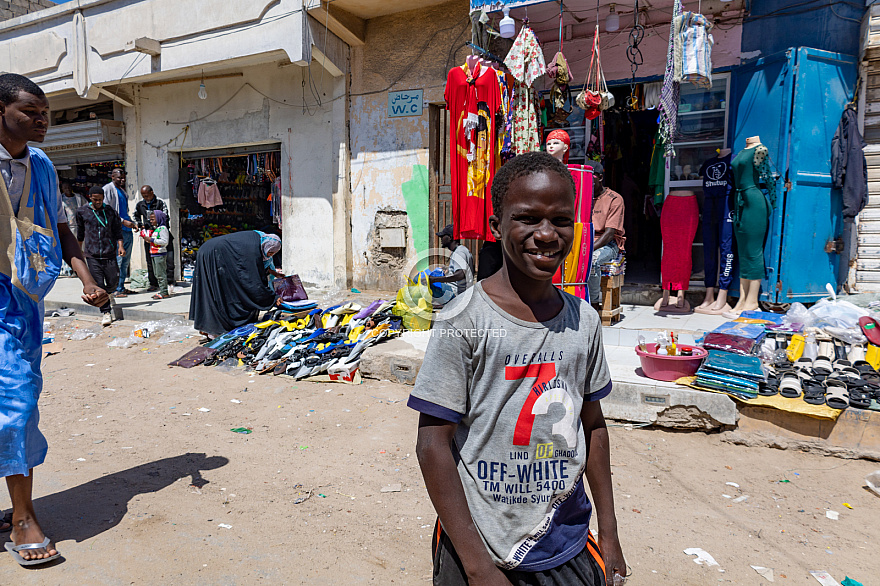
{"x":178,"y":334}
{"x":873,"y":481}
{"x":798,"y":314}
{"x":837,"y":314}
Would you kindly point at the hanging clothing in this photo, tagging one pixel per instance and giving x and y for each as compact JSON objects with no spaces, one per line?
{"x":678,"y":226}
{"x":849,"y":169}
{"x":657,"y":172}
{"x":525,"y":60}
{"x":472,"y":201}
{"x":525,"y":121}
{"x":717,"y":222}
{"x":209,"y":195}
{"x":751,"y":214}
{"x":229,"y":283}
{"x":505,"y":130}
{"x":28,"y":269}
{"x":670,"y":92}
{"x":693,"y":50}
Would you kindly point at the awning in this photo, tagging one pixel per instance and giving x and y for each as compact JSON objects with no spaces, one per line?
{"x":92,"y":141}
{"x":492,"y":5}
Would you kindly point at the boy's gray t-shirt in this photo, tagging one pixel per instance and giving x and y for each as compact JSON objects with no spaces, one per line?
{"x":516,"y":389}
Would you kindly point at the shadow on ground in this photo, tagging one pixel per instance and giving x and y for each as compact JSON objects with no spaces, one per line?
{"x":87,"y":510}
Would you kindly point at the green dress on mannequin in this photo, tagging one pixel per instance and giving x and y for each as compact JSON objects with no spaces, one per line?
{"x":751,"y":211}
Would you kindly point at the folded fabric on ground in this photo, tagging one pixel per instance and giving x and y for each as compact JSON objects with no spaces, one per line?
{"x":735,"y":337}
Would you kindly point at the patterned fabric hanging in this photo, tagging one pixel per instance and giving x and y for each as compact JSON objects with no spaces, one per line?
{"x":669,"y":94}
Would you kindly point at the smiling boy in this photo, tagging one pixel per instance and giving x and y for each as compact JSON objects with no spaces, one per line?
{"x":508,"y":397}
{"x":35,"y":237}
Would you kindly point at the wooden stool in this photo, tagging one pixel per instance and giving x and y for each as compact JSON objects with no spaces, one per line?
{"x":611,"y":299}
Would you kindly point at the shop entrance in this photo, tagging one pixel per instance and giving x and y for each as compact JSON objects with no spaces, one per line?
{"x":221,"y":191}
{"x":440,"y":188}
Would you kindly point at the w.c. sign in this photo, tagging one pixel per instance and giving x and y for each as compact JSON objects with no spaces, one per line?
{"x":405,"y":103}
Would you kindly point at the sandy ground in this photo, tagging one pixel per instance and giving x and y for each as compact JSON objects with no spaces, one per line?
{"x":138,"y":482}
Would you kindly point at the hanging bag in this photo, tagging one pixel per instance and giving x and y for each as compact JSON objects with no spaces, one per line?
{"x":589,"y":98}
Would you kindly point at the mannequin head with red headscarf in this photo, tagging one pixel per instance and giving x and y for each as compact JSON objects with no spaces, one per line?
{"x":558,"y":145}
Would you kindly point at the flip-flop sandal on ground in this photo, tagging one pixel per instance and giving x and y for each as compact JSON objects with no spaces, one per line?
{"x":871,"y":329}
{"x":14,"y":549}
{"x":790,"y":386}
{"x":859,"y":399}
{"x":822,"y":365}
{"x":814,"y":392}
{"x":160,"y":296}
{"x":836,"y":396}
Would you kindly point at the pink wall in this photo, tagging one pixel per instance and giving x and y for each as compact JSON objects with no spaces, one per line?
{"x":577,"y":51}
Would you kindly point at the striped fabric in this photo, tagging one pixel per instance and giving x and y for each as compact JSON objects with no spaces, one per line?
{"x":693,"y":49}
{"x":670,"y":92}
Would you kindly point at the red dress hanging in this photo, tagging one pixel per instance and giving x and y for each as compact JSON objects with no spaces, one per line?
{"x":472,"y":101}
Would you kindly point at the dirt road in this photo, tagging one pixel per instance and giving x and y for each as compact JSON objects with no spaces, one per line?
{"x":142,"y":485}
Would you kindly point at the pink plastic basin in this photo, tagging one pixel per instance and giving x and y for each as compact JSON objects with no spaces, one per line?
{"x":670,"y":368}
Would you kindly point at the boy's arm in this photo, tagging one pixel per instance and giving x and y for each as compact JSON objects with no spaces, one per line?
{"x":72,"y":253}
{"x":599,"y":477}
{"x":434,"y":450}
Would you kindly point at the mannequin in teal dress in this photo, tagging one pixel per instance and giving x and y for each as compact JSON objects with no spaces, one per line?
{"x":751,"y":219}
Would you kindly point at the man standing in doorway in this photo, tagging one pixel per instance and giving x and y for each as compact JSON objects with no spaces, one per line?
{"x":36,"y":237}
{"x":151,"y":203}
{"x":117,"y":199}
{"x":608,"y":239}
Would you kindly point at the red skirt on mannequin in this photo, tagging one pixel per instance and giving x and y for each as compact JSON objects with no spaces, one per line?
{"x":678,"y":226}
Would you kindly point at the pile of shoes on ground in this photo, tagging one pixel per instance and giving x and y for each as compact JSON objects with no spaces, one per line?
{"x":302,"y":341}
{"x":838,"y":384}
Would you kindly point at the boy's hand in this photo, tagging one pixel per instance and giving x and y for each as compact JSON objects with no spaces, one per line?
{"x":94,"y":295}
{"x":612,"y":555}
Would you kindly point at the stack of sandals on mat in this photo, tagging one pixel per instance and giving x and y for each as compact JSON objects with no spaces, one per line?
{"x":838,"y":384}
{"x":310,"y":343}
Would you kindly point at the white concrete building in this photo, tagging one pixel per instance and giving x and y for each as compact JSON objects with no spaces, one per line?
{"x":307,"y":80}
{"x":147,"y":58}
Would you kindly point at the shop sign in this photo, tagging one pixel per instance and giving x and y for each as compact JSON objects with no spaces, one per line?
{"x":405,"y":103}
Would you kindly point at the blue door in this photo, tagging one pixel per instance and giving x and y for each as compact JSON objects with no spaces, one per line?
{"x":813,"y":212}
{"x":793,"y":101}
{"x":761,"y":93}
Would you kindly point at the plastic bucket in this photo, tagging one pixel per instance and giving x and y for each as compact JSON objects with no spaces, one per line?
{"x":670,"y":368}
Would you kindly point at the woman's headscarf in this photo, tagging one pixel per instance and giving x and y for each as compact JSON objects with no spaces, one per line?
{"x":161,"y":218}
{"x":269,"y":244}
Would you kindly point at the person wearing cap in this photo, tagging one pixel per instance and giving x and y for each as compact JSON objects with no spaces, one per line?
{"x":608,"y":232}
{"x":461,"y":265}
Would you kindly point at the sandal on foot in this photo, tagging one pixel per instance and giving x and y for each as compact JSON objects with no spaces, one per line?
{"x":160,"y":296}
{"x":836,"y":396}
{"x":790,"y":386}
{"x":14,"y":549}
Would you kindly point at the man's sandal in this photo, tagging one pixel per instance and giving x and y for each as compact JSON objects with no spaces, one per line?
{"x":14,"y":549}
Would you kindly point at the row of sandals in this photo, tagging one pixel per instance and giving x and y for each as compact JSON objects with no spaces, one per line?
{"x":308,"y":343}
{"x":821,"y":381}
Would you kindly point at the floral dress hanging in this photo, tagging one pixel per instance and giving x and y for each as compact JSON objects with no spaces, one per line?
{"x":526,"y":63}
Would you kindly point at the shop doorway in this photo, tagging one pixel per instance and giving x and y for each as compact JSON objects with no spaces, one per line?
{"x":221,"y":191}
{"x":440,"y":185}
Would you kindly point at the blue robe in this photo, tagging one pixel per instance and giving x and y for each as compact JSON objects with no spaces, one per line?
{"x":29,"y":264}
